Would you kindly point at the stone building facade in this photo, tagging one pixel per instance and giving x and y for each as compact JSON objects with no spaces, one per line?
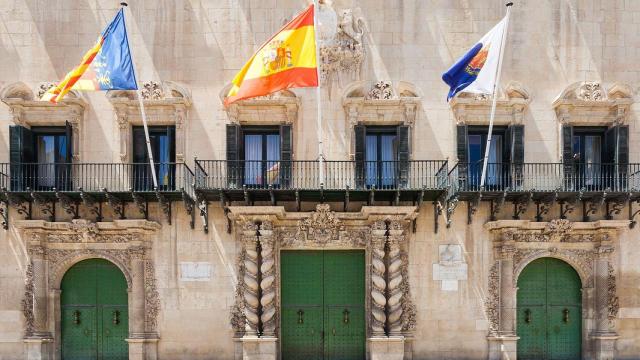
{"x":211,"y":260}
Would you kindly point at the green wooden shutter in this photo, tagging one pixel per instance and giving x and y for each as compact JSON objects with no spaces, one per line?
{"x":286,"y":156}
{"x":517,"y":154}
{"x":403,"y":156}
{"x":567,"y":157}
{"x":20,"y":151}
{"x":623,"y":155}
{"x":462,"y":147}
{"x":360,"y":138}
{"x":233,"y":156}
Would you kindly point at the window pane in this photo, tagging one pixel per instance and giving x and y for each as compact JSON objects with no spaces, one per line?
{"x":273,"y":159}
{"x":46,"y":157}
{"x":576,"y":148}
{"x":494,"y":166}
{"x":592,"y":152}
{"x":253,"y":159}
{"x":371,"y":167}
{"x":388,"y":157}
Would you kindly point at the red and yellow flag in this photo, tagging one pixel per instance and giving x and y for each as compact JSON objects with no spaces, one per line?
{"x":285,"y":61}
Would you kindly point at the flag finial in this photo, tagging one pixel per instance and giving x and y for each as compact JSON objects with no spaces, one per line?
{"x":124,"y":3}
{"x":509,"y":4}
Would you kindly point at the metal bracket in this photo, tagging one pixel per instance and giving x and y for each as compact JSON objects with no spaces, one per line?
{"x":225,"y":208}
{"x":396,"y":200}
{"x":18,"y":203}
{"x":452,"y":204}
{"x":346,"y":199}
{"x":615,"y":206}
{"x":590,"y":207}
{"x":420,"y":199}
{"x":95,"y":207}
{"x":521,"y":204}
{"x":567,"y":207}
{"x":189,"y":205}
{"x":141,"y":203}
{"x":116,"y":204}
{"x":165,"y":205}
{"x":272,"y":195}
{"x":472,"y":207}
{"x":4,"y":211}
{"x":70,"y":205}
{"x":632,"y":214}
{"x":544,"y":204}
{"x":372,"y":195}
{"x":46,"y":206}
{"x":203,"y":206}
{"x":247,"y":198}
{"x":496,"y":206}
{"x":437,"y":211}
{"x":298,"y":206}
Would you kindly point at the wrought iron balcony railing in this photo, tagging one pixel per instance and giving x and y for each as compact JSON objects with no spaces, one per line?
{"x":305,"y":175}
{"x":94,"y":177}
{"x":562,"y":177}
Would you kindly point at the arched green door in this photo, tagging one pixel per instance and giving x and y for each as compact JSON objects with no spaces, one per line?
{"x":94,"y":312}
{"x":549,"y":314}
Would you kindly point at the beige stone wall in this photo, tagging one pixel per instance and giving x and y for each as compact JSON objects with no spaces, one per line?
{"x":201,"y":44}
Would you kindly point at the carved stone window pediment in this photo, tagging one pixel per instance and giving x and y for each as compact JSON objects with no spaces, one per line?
{"x":475,"y":109}
{"x":165,"y":103}
{"x":591,"y":103}
{"x":381,"y":103}
{"x":274,"y":109}
{"x":27,"y":110}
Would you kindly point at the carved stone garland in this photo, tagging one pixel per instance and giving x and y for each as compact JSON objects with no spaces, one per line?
{"x":492,"y":304}
{"x":27,"y":301}
{"x":151,"y":297}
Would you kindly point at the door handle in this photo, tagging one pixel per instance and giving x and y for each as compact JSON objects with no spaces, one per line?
{"x":527,"y":316}
{"x":345,"y":316}
{"x":87,"y":332}
{"x":565,"y":316}
{"x":116,"y":317}
{"x":300,"y":318}
{"x":76,"y":317}
{"x":334,"y":331}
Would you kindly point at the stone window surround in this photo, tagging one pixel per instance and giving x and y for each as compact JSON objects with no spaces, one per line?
{"x":370,"y":230}
{"x":475,"y":109}
{"x":53,"y":248}
{"x":587,"y":247}
{"x":27,"y":110}
{"x":380,"y":103}
{"x":165,"y":103}
{"x":591,"y":103}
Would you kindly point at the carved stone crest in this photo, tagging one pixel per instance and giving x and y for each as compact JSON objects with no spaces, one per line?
{"x":43,"y":88}
{"x":152,"y":90}
{"x":381,"y":90}
{"x":590,"y":91}
{"x":344,"y":52}
{"x":322,"y":226}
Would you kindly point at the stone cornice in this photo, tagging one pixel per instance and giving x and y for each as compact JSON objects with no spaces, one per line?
{"x":383,"y":103}
{"x":593,"y":103}
{"x":533,"y":225}
{"x":475,"y":109}
{"x":367,"y":213}
{"x":274,"y":109}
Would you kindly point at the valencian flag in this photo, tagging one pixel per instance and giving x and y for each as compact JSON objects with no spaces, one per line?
{"x":476,"y":71}
{"x":107,"y":66}
{"x":285,"y":61}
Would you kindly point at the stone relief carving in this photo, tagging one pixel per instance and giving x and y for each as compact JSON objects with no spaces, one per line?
{"x":237,"y":318}
{"x":382,"y":90}
{"x":613,"y":305}
{"x":27,"y":301}
{"x":579,"y":258}
{"x":492,"y":304}
{"x":250,"y":284}
{"x":394,"y":291}
{"x":409,"y":311}
{"x":558,"y":230}
{"x":378,"y":281}
{"x":344,"y":53}
{"x":43,"y":88}
{"x":267,"y":285}
{"x":151,"y":297}
{"x":152,"y":90}
{"x":321,"y":227}
{"x":590,"y":91}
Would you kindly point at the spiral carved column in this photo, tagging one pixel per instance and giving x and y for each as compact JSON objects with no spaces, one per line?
{"x":267,"y":285}
{"x":394,"y":276}
{"x":378,"y":282}
{"x":507,"y":293}
{"x":250,"y":285}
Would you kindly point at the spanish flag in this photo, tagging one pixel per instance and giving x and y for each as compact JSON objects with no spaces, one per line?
{"x":287,"y":60}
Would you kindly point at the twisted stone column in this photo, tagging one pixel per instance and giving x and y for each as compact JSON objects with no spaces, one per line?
{"x":250,"y":280}
{"x":507,"y":292}
{"x":394,"y":276}
{"x":378,"y":282}
{"x":137,"y":296}
{"x":40,"y":299}
{"x":267,"y":285}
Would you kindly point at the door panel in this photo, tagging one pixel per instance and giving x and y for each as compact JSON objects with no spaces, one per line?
{"x":114,"y":326}
{"x":549,"y":317}
{"x":80,"y":340}
{"x":323,"y":305}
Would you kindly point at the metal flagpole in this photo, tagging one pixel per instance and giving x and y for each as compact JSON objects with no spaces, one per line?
{"x":495,"y":98}
{"x":146,"y":131}
{"x":318,"y":94}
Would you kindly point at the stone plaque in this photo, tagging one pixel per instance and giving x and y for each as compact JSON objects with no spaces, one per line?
{"x":195,"y":271}
{"x":450,"y":272}
{"x":449,"y":285}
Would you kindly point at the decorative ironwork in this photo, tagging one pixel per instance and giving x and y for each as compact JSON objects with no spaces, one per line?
{"x":4,"y":214}
{"x":614,"y":206}
{"x":496,"y":205}
{"x":633,"y":214}
{"x":141,"y":203}
{"x":189,"y":206}
{"x":452,"y":204}
{"x":591,"y":206}
{"x":165,"y":205}
{"x":203,"y":206}
{"x":70,"y":205}
{"x":568,"y":206}
{"x":521,"y":204}
{"x":544,"y":204}
{"x":94,"y":206}
{"x":47,"y":207}
{"x":472,"y":207}
{"x":116,"y":204}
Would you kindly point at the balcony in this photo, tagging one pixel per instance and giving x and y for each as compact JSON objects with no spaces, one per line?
{"x":369,"y":181}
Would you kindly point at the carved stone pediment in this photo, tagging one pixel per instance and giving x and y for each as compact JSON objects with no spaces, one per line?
{"x":28,"y":110}
{"x":165,"y":103}
{"x":594,"y":103}
{"x":278,"y":108}
{"x":321,"y":227}
{"x":475,"y":109}
{"x":381,"y":103}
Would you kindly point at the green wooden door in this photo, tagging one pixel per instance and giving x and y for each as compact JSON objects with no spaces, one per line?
{"x":549,"y":312}
{"x":323,"y":305}
{"x":94,"y":312}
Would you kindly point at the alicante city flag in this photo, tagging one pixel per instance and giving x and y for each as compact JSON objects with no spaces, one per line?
{"x":475,"y":71}
{"x":285,"y":61}
{"x":106,"y":66}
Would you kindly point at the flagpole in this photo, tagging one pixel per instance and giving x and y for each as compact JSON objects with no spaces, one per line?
{"x":318,"y":95}
{"x":146,"y":129}
{"x":494,"y":97}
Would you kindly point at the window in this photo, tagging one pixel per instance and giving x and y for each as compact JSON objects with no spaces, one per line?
{"x":382,"y":156}
{"x":162,"y":140}
{"x":259,"y":156}
{"x":41,"y":158}
{"x":504,"y":161}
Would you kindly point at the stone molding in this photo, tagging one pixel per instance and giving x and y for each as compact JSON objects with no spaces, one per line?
{"x":381,"y":103}
{"x":165,"y":103}
{"x":475,"y":109}
{"x":54,"y":247}
{"x":268,"y":229}
{"x":27,"y":110}
{"x":274,"y":109}
{"x":591,"y":103}
{"x":586,"y":246}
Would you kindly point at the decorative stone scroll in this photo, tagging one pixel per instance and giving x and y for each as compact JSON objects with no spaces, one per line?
{"x":274,"y":109}
{"x":165,"y":102}
{"x":28,"y":110}
{"x":592,"y":103}
{"x":474,"y":109}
